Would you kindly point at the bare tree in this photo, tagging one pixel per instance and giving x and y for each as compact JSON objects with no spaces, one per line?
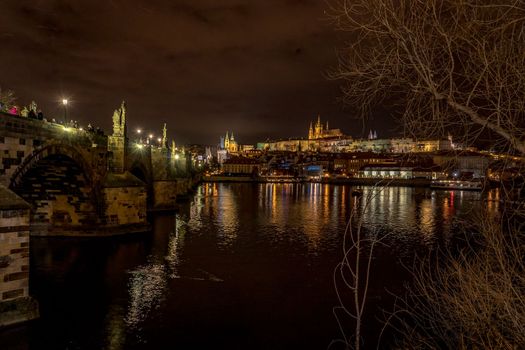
{"x":476,"y":300}
{"x":353,"y":271}
{"x":451,"y":65}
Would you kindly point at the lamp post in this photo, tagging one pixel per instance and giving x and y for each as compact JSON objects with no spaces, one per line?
{"x":64,"y":103}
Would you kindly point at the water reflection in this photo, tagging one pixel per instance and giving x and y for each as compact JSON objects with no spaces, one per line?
{"x":147,"y":289}
{"x":115,"y":328}
{"x":249,"y":265}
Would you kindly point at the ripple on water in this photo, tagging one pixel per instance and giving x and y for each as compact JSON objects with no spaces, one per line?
{"x":247,"y":265}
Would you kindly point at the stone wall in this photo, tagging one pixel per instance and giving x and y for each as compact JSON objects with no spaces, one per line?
{"x":15,"y":303}
{"x":14,"y":253}
{"x":13,"y":151}
{"x":186,"y":185}
{"x":117,"y":147}
{"x":125,"y":198}
{"x":165,"y":194}
{"x":59,"y":193}
{"x":160,"y":163}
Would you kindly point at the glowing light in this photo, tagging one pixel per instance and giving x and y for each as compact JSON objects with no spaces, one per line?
{"x":177,"y":156}
{"x":159,"y":139}
{"x":139,"y":131}
{"x":139,"y":146}
{"x":66,"y":129}
{"x":64,"y":101}
{"x":81,"y":129}
{"x":150,"y":136}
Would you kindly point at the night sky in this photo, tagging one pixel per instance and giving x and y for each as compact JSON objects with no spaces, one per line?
{"x":256,"y":68}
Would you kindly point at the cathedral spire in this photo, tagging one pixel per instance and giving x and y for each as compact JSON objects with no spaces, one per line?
{"x":318,"y":128}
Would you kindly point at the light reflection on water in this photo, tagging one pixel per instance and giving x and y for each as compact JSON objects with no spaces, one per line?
{"x":248,"y":265}
{"x":147,"y":290}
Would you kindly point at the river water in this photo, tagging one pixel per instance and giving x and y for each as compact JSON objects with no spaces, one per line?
{"x":240,"y":266}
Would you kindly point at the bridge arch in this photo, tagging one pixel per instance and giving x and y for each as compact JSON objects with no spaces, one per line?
{"x":50,"y":150}
{"x":142,"y":171}
{"x":59,"y":184}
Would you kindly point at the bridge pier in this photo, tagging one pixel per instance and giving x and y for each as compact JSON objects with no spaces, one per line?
{"x":125,"y":202}
{"x":164,"y":195}
{"x":15,"y":303}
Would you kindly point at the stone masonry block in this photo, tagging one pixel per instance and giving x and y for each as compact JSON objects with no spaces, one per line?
{"x":13,"y":294}
{"x":16,"y":276}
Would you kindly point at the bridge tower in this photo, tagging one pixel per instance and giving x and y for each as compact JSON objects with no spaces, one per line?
{"x":117,"y":141}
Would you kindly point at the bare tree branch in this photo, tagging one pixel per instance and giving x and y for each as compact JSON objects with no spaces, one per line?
{"x":454,"y":65}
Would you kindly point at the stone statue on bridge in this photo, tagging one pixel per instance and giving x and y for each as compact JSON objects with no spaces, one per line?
{"x":119,"y":120}
{"x":164,"y":138}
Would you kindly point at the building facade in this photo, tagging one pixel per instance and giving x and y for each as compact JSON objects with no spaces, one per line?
{"x":240,"y":166}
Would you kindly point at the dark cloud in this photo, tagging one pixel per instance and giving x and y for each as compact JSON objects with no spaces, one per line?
{"x":202,"y":66}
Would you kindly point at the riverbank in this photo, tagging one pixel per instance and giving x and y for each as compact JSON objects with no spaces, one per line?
{"x":335,"y":181}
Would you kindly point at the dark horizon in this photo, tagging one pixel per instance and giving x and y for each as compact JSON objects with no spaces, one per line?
{"x":256,"y":69}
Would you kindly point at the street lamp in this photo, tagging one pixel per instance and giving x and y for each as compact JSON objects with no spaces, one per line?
{"x":64,"y":103}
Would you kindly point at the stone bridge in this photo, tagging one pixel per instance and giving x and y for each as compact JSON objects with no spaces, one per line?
{"x":80,"y":181}
{"x":57,"y":180}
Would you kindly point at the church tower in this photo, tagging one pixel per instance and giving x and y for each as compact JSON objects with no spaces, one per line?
{"x":233,"y":144}
{"x":227,"y":141}
{"x":311,"y":132}
{"x":318,"y":128}
{"x":117,"y":141}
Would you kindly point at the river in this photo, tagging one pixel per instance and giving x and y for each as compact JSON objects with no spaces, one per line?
{"x":240,"y":266}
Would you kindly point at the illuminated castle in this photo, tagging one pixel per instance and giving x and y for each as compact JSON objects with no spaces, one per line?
{"x":321,"y":132}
